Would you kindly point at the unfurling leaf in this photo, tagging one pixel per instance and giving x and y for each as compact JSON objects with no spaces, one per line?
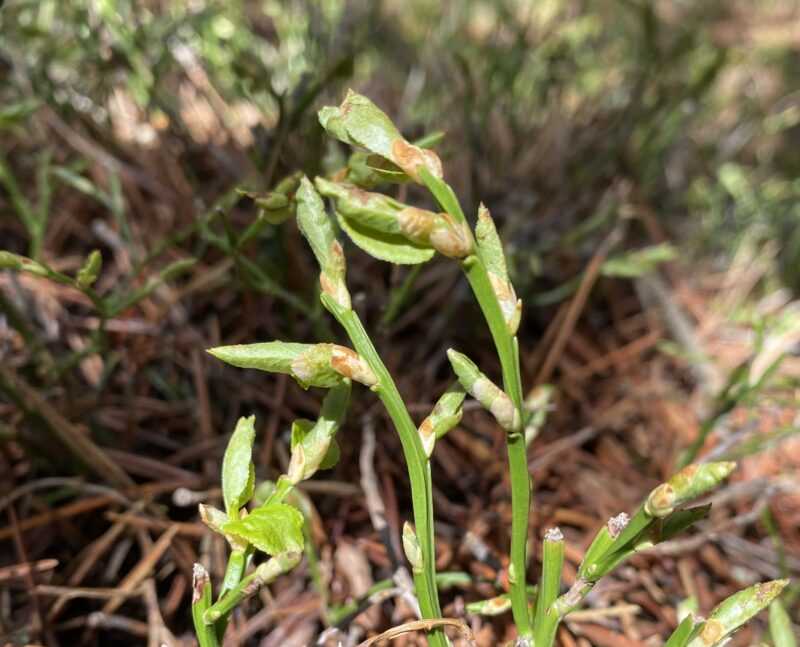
{"x":395,"y":232}
{"x":351,"y":365}
{"x":216,"y":520}
{"x":412,"y":548}
{"x":275,"y":528}
{"x":313,"y":444}
{"x":392,"y":248}
{"x":213,"y":517}
{"x":686,"y":631}
{"x":272,"y":356}
{"x":276,"y":206}
{"x":491,"y":396}
{"x":732,"y":613}
{"x":276,"y":566}
{"x":327,"y":446}
{"x":490,"y":607}
{"x":536,"y":406}
{"x":373,"y":222}
{"x":359,"y":122}
{"x":313,"y":367}
{"x":316,"y":227}
{"x":322,"y":365}
{"x":88,"y":274}
{"x":689,"y":483}
{"x":446,"y":414}
{"x":450,"y":237}
{"x":372,"y":210}
{"x":11,"y":261}
{"x":490,"y":250}
{"x":238,"y":475}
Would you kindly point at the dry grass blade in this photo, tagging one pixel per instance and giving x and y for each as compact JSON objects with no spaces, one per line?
{"x":145,"y":566}
{"x":81,"y":446}
{"x":421,"y":625}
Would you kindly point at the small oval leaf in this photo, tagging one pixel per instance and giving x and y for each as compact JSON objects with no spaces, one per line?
{"x":394,"y":248}
{"x":238,"y":475}
{"x":274,"y":529}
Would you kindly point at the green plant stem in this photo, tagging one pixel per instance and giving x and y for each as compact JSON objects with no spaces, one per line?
{"x":416,"y":460}
{"x":238,"y":559}
{"x":546,"y":619}
{"x":222,"y":608}
{"x":233,"y":573}
{"x":508,"y":352}
{"x":206,"y":634}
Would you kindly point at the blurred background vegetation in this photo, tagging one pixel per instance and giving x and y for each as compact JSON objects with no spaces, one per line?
{"x":639,"y":156}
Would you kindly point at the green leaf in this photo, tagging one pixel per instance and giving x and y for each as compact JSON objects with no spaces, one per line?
{"x":430,"y":139}
{"x":490,"y":607}
{"x":314,"y":223}
{"x":491,"y":396}
{"x":679,"y":521}
{"x":275,"y":528}
{"x":490,"y":249}
{"x":639,"y":262}
{"x":175,"y":269}
{"x":314,"y":367}
{"x":213,"y":517}
{"x":385,"y":170}
{"x":300,"y":429}
{"x":686,"y":631}
{"x":331,"y":456}
{"x":309,"y":364}
{"x":443,"y":194}
{"x":359,"y":122}
{"x":321,"y":451}
{"x":691,"y":482}
{"x":446,"y":414}
{"x":733,"y":612}
{"x":170,"y":272}
{"x":84,"y":185}
{"x":372,"y":210}
{"x":393,"y":248}
{"x":272,"y":356}
{"x":16,"y":113}
{"x":780,"y":626}
{"x":11,"y":261}
{"x":276,"y":206}
{"x":88,"y":274}
{"x":238,"y":473}
{"x":317,"y":228}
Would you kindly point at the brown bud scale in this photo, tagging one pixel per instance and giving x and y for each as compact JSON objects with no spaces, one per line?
{"x":410,"y":158}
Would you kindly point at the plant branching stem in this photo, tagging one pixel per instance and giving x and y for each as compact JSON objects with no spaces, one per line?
{"x":238,"y":560}
{"x":245,"y":588}
{"x":416,"y":460}
{"x":508,"y":352}
{"x":206,"y":634}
